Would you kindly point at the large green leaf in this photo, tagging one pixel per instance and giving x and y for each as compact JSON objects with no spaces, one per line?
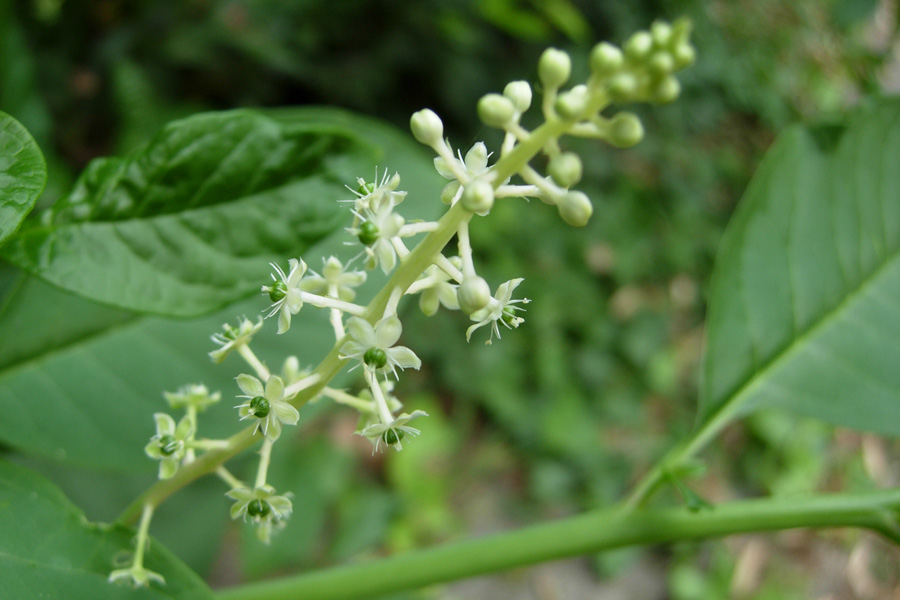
{"x":23,"y":175}
{"x":49,"y":550}
{"x":805,"y":300}
{"x":187,"y":224}
{"x":79,"y":382}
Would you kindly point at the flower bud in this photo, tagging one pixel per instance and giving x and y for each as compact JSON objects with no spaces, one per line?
{"x":625,"y":130}
{"x":575,"y":209}
{"x":565,"y":169}
{"x":572,"y":104}
{"x":661,"y":63}
{"x":473,"y":294}
{"x":661,"y":32}
{"x":478,"y":197}
{"x":519,"y":93}
{"x":623,"y":87}
{"x":554,"y":68}
{"x":495,"y":110}
{"x":638,"y":46}
{"x":665,"y":90}
{"x":605,"y":59}
{"x":426,"y":127}
{"x":684,"y":55}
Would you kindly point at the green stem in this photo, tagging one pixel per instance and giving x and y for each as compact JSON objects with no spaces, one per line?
{"x":589,"y":533}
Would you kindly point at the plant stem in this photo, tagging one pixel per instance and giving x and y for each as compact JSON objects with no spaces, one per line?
{"x":584,"y":534}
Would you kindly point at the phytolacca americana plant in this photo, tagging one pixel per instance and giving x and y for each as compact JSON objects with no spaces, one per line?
{"x":367,"y":336}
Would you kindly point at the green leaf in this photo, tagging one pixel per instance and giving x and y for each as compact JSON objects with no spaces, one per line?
{"x":188,"y":224}
{"x":23,"y":175}
{"x":805,"y":299}
{"x":49,"y":550}
{"x":80,"y":382}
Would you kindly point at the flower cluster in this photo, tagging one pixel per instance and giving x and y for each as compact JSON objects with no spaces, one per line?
{"x":368,"y":336}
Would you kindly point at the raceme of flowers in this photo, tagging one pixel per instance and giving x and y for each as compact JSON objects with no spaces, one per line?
{"x":367,"y":336}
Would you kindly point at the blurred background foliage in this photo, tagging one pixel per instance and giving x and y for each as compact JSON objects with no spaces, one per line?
{"x":565,"y":412}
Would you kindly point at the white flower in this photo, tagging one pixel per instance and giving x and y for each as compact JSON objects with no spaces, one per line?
{"x":268,"y":405}
{"x":499,"y":309}
{"x":474,"y":164}
{"x":374,"y":346}
{"x":285,"y":292}
{"x":169,"y":444}
{"x":232,"y":339}
{"x":192,"y":396}
{"x":334,"y":281}
{"x":376,"y":231}
{"x":264,"y":508}
{"x":371,"y":196}
{"x":392,"y":432}
{"x":436,"y":290}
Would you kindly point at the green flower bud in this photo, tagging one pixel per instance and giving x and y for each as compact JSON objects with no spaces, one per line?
{"x":259,"y":406}
{"x":575,"y":209}
{"x":661,"y":32}
{"x":258,"y":508}
{"x":478,"y":197}
{"x":519,"y":93}
{"x":638,"y":46}
{"x":375,"y":357}
{"x":554,"y":68}
{"x":625,"y":130}
{"x":392,"y":436}
{"x":572,"y":104}
{"x":368,"y":233}
{"x":449,"y":192}
{"x":665,"y":90}
{"x":168,"y":445}
{"x":495,"y":110}
{"x":661,"y":63}
{"x":623,"y":87}
{"x":427,"y":127}
{"x":277,"y":291}
{"x":565,"y":169}
{"x":684,"y":55}
{"x":606,"y":59}
{"x":473,"y":294}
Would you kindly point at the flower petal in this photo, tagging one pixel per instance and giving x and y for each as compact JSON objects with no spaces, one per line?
{"x":274,"y":389}
{"x":250,"y":385}
{"x":362,"y":331}
{"x":403,"y":357}
{"x":286,"y":413}
{"x":165,"y":424}
{"x":387,"y":332}
{"x":284,"y":319}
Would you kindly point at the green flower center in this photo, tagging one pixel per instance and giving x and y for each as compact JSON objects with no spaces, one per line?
{"x":258,"y":508}
{"x":366,"y":188}
{"x":259,"y":407}
{"x":168,"y":445}
{"x":375,"y":357}
{"x":368,"y":233}
{"x":278,"y":291}
{"x":392,"y":436}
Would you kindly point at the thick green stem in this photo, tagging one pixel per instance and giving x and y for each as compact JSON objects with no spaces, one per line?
{"x":592,"y":532}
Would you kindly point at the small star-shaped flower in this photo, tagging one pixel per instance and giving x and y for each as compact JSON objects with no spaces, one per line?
{"x":268,"y":405}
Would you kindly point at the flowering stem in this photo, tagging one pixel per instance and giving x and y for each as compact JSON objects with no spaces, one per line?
{"x":265,"y":454}
{"x":588,"y":533}
{"x":342,"y":397}
{"x":226,"y":476}
{"x":142,"y":536}
{"x":247,"y":354}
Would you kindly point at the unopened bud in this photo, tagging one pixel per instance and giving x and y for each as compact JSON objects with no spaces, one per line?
{"x":565,"y":169}
{"x":684,"y":55}
{"x":623,"y":87}
{"x":665,"y":90}
{"x":519,"y":93}
{"x":572,"y":104}
{"x":448,"y":194}
{"x":625,"y":130}
{"x":495,"y":110}
{"x":661,"y":63}
{"x":473,"y":294}
{"x":426,"y":127}
{"x":638,"y":46}
{"x":478,"y":197}
{"x":575,"y":209}
{"x":554,"y":68}
{"x":661,"y":32}
{"x":606,"y":59}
